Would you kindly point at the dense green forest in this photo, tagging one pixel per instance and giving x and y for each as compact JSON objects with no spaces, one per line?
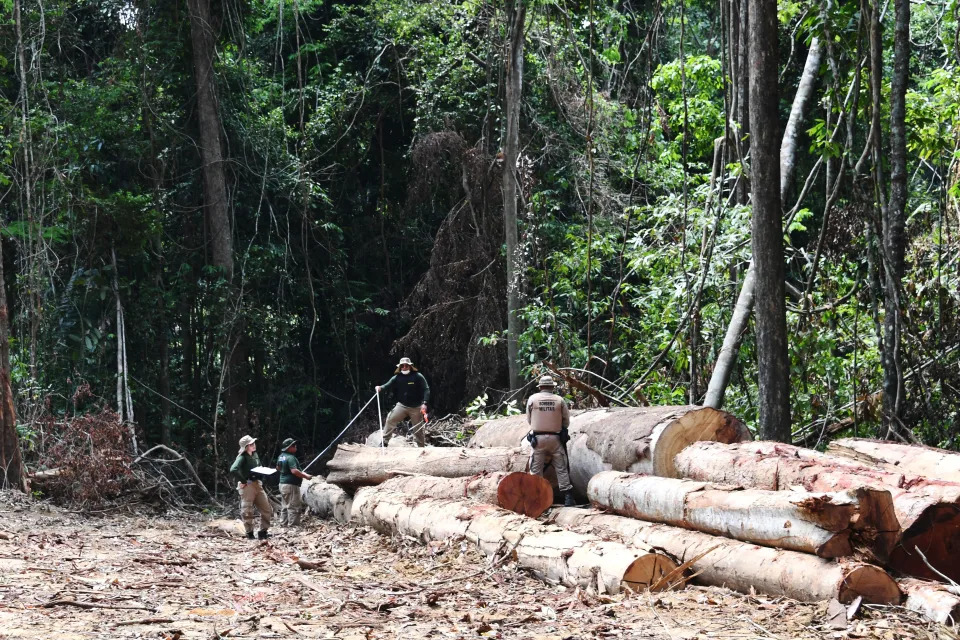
{"x":222,"y":217}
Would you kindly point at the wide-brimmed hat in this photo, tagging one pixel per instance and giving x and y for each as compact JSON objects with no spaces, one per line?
{"x":289,"y":442}
{"x":405,"y":360}
{"x":546,"y":381}
{"x":245,"y":442}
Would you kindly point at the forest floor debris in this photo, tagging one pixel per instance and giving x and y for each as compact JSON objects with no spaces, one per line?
{"x":121,"y":574}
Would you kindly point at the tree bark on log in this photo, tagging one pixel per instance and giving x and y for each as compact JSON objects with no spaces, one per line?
{"x":326,"y":500}
{"x":909,"y":459}
{"x":830,"y":525}
{"x":636,"y":439}
{"x":932,"y":599}
{"x":553,"y":554}
{"x":355,"y":465}
{"x":516,"y":491}
{"x":927,"y":509}
{"x":742,"y":566}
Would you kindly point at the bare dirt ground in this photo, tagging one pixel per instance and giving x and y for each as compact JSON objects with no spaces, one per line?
{"x":69,"y":575}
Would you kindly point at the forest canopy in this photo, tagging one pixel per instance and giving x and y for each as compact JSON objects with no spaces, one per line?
{"x":231,"y":217}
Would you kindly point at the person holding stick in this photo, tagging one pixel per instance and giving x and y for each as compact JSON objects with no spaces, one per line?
{"x":413,"y":393}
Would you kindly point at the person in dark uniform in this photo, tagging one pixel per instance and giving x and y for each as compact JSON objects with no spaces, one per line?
{"x":250,"y":488}
{"x":413,"y":394}
{"x":291,"y":477}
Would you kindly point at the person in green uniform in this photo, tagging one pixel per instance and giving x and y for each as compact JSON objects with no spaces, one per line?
{"x":412,"y":393}
{"x":250,"y":488}
{"x":291,"y":505}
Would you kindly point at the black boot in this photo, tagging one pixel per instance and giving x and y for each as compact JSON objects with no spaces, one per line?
{"x":262,"y":534}
{"x":568,"y":500}
{"x":249,"y":535}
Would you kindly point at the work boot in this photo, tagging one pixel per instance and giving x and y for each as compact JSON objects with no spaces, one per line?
{"x":249,"y":535}
{"x":568,"y":500}
{"x":262,"y":534}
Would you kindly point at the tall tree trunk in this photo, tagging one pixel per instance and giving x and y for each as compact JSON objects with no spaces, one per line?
{"x":216,"y":211}
{"x":894,"y":240}
{"x":727,"y":358}
{"x":516,"y":10}
{"x":767,"y":227}
{"x":11,"y":464}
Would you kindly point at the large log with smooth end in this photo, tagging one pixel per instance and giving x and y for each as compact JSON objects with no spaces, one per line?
{"x":830,"y":525}
{"x":355,"y":465}
{"x":933,"y":599}
{"x":520,"y":492}
{"x":909,"y":459}
{"x":742,"y":566}
{"x":635,"y":439}
{"x":928,"y":510}
{"x":327,"y":501}
{"x":552,"y":553}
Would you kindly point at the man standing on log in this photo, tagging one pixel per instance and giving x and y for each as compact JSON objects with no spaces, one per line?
{"x":412,"y":393}
{"x":252,"y":495}
{"x":549,"y":417}
{"x":290,"y":479}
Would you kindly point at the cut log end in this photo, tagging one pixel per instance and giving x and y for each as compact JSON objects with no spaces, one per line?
{"x":837,"y":546}
{"x":874,"y":585}
{"x":525,"y":493}
{"x":704,"y":424}
{"x":653,"y":571}
{"x":937,"y":534}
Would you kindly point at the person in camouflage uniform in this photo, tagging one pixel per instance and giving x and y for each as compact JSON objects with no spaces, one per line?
{"x":412,"y":393}
{"x":291,"y":478}
{"x":250,"y":488}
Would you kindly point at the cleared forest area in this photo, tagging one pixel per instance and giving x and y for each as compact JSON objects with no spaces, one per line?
{"x":122,"y":574}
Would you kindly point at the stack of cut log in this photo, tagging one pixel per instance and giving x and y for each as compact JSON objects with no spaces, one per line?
{"x":679,"y":494}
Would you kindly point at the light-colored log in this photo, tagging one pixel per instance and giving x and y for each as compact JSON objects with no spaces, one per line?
{"x":933,"y":599}
{"x":928,"y":510}
{"x":831,"y":525}
{"x":356,"y":465}
{"x":908,"y":459}
{"x":327,"y":501}
{"x":550,"y":552}
{"x":374,"y":440}
{"x":742,"y":566}
{"x":635,"y":439}
{"x":515,"y":491}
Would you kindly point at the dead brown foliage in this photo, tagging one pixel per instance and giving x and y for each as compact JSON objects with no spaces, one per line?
{"x":92,"y":455}
{"x":460,"y":299}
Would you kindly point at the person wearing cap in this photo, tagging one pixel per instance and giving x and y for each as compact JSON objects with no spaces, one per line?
{"x":291,"y":505}
{"x":549,"y":417}
{"x":413,"y":394}
{"x":252,"y":495}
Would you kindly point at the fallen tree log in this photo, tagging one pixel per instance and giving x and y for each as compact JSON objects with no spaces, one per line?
{"x":932,"y":599}
{"x":635,"y":439}
{"x":520,"y":492}
{"x":742,"y":566}
{"x":553,"y":554}
{"x":326,"y":500}
{"x":830,"y":525}
{"x":926,"y":509}
{"x":909,"y":459}
{"x":355,"y":465}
